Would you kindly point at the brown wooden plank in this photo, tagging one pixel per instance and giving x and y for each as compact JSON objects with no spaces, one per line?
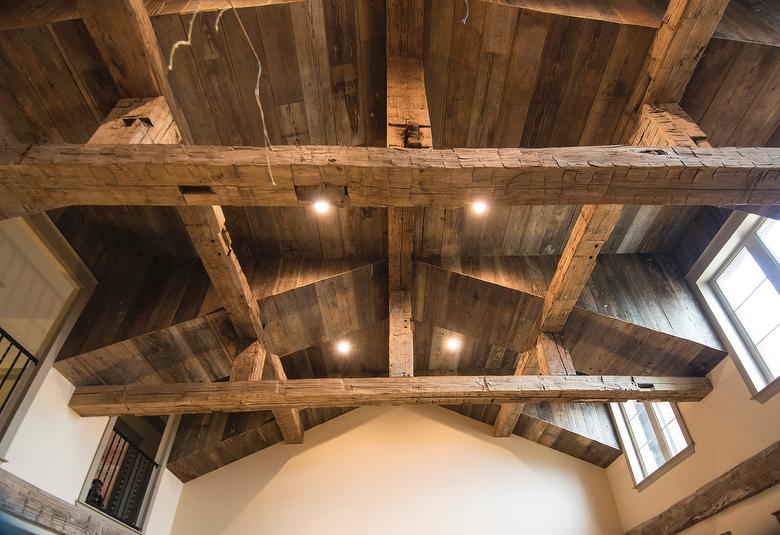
{"x":272,"y":395}
{"x":548,"y":356}
{"x":288,"y":418}
{"x":593,"y":227}
{"x":42,"y":175}
{"x":408,"y":121}
{"x":25,"y":500}
{"x":206,"y":227}
{"x":123,"y":34}
{"x":748,"y":478}
{"x":401,"y":334}
{"x":685,"y":32}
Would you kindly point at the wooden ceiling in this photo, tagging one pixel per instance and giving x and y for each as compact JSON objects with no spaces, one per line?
{"x":519,"y":73}
{"x":516,"y":73}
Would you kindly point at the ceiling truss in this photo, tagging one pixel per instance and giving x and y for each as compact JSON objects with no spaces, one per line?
{"x":664,"y":159}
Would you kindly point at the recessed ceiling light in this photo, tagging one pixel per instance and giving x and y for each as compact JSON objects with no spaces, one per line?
{"x":321,"y":207}
{"x":479,"y":207}
{"x":452,"y":343}
{"x":343,"y":347}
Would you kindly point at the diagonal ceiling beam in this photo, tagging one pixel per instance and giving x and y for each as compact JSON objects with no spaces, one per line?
{"x":593,"y":227}
{"x":314,"y":393}
{"x":679,"y":43}
{"x":206,"y":228}
{"x":42,"y":176}
{"x":548,"y":356}
{"x":125,"y":39}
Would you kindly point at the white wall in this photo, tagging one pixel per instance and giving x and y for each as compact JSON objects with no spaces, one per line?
{"x":727,"y":427}
{"x":163,"y":508}
{"x":54,"y":447}
{"x":397,"y":470}
{"x":51,"y":446}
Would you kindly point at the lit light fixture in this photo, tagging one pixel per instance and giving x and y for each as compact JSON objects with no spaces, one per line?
{"x":453,"y":344}
{"x":321,"y":206}
{"x":343,"y":347}
{"x":479,"y":207}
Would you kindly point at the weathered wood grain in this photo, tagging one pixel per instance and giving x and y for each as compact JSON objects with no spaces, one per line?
{"x":138,"y":121}
{"x":408,"y":122}
{"x":679,"y":43}
{"x":401,"y":339}
{"x":49,"y":176}
{"x":593,"y":227}
{"x":125,"y":39}
{"x":24,"y":500}
{"x":318,"y":393}
{"x":748,"y":478}
{"x":509,"y":413}
{"x":206,"y":228}
{"x":582,"y":430}
{"x":548,"y":356}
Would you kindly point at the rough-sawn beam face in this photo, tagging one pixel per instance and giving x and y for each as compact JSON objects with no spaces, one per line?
{"x":50,"y":176}
{"x":300,"y":393}
{"x":593,"y":227}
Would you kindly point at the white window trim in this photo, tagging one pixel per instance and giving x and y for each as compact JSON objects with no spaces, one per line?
{"x":734,"y":234}
{"x":628,"y":443}
{"x":42,"y":228}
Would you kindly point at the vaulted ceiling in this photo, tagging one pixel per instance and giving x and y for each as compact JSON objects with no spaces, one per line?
{"x":514,"y":73}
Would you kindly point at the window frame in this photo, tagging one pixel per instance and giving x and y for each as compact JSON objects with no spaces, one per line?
{"x":626,"y":434}
{"x":739,"y":231}
{"x":160,"y":459}
{"x":753,"y":244}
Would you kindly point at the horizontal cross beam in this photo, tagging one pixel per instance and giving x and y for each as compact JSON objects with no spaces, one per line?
{"x":41,"y":177}
{"x":303,"y":393}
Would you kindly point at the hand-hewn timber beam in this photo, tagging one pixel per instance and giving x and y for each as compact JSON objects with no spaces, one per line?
{"x":248,"y":365}
{"x":400,"y":243}
{"x":401,"y":334}
{"x":750,"y":477}
{"x":138,"y":121}
{"x":50,"y":176}
{"x":206,"y":228}
{"x":272,"y":395}
{"x":288,"y":419}
{"x":399,"y":251}
{"x":31,"y":13}
{"x":548,"y":356}
{"x":408,"y":121}
{"x":593,"y":227}
{"x":678,"y":45}
{"x":668,"y":125}
{"x":125,"y":39}
{"x":509,"y":413}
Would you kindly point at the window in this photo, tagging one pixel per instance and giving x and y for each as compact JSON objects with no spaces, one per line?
{"x":652,"y":435}
{"x":739,"y":282}
{"x":123,"y":476}
{"x":748,"y":287}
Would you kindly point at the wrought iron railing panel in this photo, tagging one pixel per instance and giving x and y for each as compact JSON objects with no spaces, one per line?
{"x":15,"y":360}
{"x":121,"y":480}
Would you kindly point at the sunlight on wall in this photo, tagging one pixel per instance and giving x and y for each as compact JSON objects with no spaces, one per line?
{"x":33,"y":286}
